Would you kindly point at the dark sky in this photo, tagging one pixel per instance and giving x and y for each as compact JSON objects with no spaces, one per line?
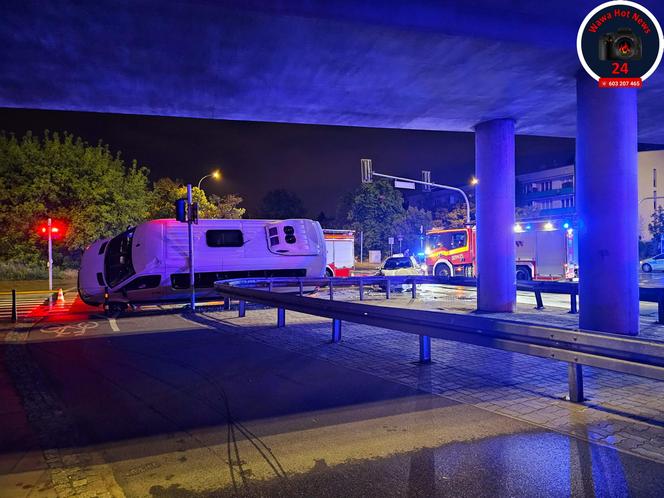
{"x":319,"y":163}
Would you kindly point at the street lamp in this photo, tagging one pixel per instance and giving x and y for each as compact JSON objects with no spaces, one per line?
{"x":216,"y":174}
{"x":474,"y":181}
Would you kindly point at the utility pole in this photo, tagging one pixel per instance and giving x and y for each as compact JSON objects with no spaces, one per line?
{"x":190,"y":226}
{"x":50,"y":255}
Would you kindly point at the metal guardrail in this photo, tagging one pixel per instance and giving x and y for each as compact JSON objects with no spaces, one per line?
{"x":611,"y":352}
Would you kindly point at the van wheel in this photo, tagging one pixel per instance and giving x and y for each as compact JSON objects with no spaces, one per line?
{"x":114,"y":308}
{"x":328,"y":273}
{"x":442,"y":271}
{"x":523,"y":273}
{"x":646,"y":268}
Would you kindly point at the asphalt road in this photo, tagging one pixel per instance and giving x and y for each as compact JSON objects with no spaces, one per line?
{"x":161,"y":405}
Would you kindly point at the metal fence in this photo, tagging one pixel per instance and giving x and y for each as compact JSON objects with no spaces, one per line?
{"x":576,"y":348}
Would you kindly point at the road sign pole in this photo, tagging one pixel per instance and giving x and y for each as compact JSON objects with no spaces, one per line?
{"x":50,"y":256}
{"x":190,"y":225}
{"x":361,"y":244}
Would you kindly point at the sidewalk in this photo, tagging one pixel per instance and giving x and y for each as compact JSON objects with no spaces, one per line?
{"x":622,"y":412}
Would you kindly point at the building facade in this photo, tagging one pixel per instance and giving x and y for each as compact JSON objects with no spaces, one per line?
{"x":550,"y":193}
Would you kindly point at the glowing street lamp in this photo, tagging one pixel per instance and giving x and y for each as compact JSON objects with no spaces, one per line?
{"x":474,"y":181}
{"x":216,"y":174}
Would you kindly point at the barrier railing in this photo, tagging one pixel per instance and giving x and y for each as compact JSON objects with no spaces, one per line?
{"x":576,"y":348}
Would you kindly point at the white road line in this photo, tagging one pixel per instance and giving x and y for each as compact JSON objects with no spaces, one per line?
{"x":114,"y":325}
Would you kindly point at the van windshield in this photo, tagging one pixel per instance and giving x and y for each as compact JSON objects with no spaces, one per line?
{"x":117,"y":261}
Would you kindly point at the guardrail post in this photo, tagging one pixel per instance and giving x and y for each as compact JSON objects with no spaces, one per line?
{"x":242,"y":308}
{"x":660,"y":308}
{"x":575,"y":381}
{"x":538,"y":299}
{"x":572,"y":304}
{"x":301,"y":288}
{"x":425,"y":349}
{"x":336,"y":330}
{"x":227,"y":303}
{"x":331,"y":284}
{"x":14,"y":307}
{"x":269,"y":286}
{"x":388,"y":288}
{"x":361,"y":290}
{"x":281,"y":317}
{"x":413,"y":290}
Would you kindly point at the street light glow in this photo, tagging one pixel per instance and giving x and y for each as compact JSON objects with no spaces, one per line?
{"x":474,"y":181}
{"x":216,"y":174}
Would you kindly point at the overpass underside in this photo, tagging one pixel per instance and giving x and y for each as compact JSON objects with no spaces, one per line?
{"x":494,"y":67}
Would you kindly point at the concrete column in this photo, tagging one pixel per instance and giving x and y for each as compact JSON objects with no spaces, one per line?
{"x":494,"y":197}
{"x":607,"y":207}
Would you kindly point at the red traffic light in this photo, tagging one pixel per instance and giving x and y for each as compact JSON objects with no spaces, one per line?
{"x":57,"y":230}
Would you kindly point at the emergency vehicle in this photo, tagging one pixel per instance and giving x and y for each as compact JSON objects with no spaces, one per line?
{"x":545,"y":250}
{"x":340,"y":245}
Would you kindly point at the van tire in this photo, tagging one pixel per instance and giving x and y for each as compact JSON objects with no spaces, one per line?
{"x":523,"y":273}
{"x":646,"y":268}
{"x":329,"y":273}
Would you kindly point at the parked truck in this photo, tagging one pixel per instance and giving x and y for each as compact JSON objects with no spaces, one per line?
{"x":545,"y":250}
{"x":340,"y":245}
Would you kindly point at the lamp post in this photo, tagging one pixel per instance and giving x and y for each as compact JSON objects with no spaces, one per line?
{"x":216,"y":174}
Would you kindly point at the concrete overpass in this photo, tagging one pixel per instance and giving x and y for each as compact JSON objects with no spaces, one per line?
{"x":492,"y":66}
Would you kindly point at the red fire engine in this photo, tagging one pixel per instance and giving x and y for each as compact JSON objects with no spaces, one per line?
{"x":340,"y":245}
{"x":545,"y":250}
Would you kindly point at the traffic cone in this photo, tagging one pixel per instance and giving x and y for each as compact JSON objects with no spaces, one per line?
{"x":61,"y":296}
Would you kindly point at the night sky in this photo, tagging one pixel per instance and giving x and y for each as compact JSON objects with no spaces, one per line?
{"x":319,"y":163}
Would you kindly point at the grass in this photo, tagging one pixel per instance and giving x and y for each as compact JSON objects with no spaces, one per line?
{"x":21,"y":271}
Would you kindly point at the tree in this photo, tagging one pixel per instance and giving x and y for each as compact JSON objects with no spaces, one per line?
{"x":324,"y":221}
{"x":85,"y":187}
{"x":656,"y":226}
{"x":281,"y":204}
{"x":227,"y":206}
{"x":412,"y":226}
{"x":373,"y":210}
{"x":166,"y":191}
{"x":456,"y":217}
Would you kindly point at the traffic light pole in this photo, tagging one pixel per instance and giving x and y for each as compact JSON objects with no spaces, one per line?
{"x":431,"y":184}
{"x":190,"y":225}
{"x":50,"y":256}
{"x":368,"y":174}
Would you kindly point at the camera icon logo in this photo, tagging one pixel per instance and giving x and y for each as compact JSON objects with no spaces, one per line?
{"x":622,"y":45}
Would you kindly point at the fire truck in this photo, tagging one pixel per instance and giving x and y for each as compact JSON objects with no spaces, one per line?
{"x":545,"y":250}
{"x":340,"y":245}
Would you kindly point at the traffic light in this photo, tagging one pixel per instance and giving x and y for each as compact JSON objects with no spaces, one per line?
{"x":57,"y":230}
{"x":181,"y":210}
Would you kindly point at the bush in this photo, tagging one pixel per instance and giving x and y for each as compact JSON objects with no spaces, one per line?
{"x":22,"y":271}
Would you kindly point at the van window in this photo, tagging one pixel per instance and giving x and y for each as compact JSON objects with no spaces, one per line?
{"x":224,"y":238}
{"x":145,"y":282}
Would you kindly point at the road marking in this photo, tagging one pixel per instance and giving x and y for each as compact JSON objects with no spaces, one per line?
{"x":114,"y":324}
{"x":72,"y":329}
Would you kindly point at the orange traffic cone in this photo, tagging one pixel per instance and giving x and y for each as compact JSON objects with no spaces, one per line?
{"x":61,"y":296}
